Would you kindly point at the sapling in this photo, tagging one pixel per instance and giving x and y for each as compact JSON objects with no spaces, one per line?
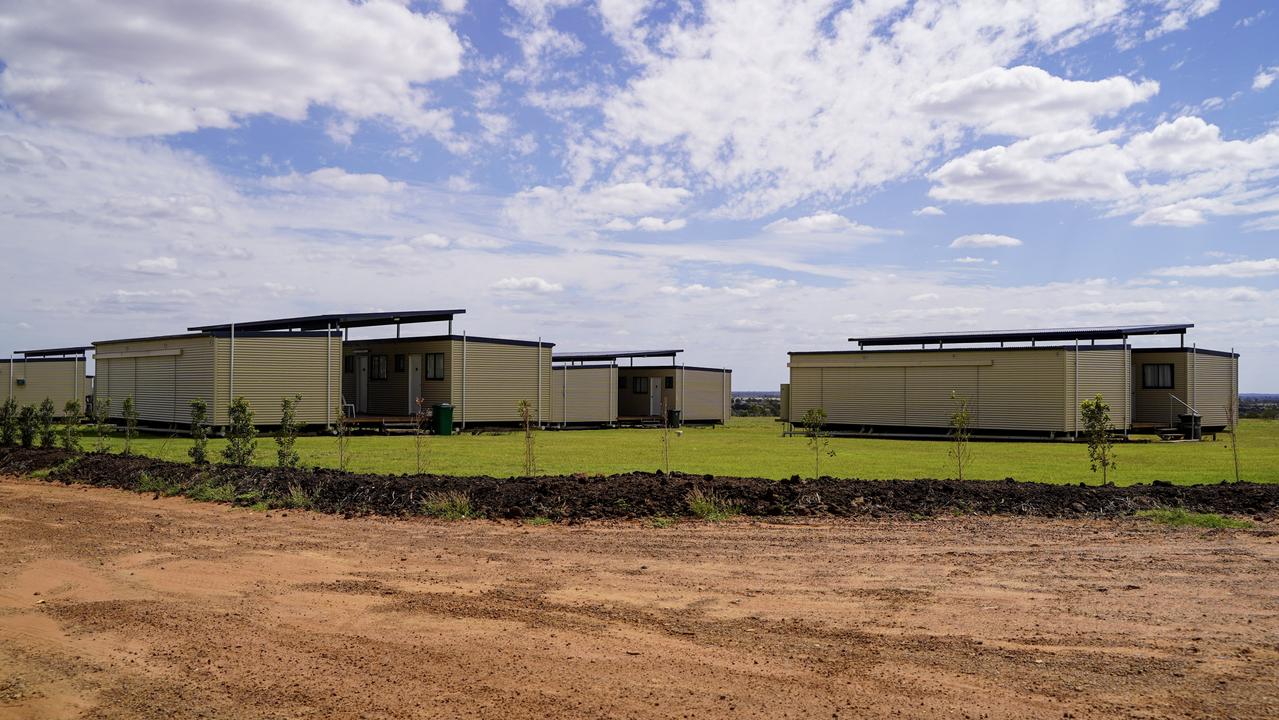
{"x":526,"y":416}
{"x":71,"y":426}
{"x":341,"y":432}
{"x":1232,"y":427}
{"x":419,"y":432}
{"x":960,"y":421}
{"x":1095,"y":415}
{"x":44,"y":424}
{"x":199,"y":450}
{"x":101,"y":421}
{"x":814,"y":422}
{"x":27,"y":426}
{"x":286,"y":439}
{"x":129,"y":410}
{"x":241,"y":434}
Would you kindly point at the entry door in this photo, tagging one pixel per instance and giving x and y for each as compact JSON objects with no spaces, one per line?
{"x":415,"y":381}
{"x":655,"y":396}
{"x":361,"y":383}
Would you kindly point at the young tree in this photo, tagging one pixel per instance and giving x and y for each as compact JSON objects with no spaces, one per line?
{"x":199,"y":450}
{"x":1095,"y":415}
{"x":960,"y":423}
{"x":9,"y":422}
{"x":27,"y":426}
{"x":814,"y":423}
{"x":71,"y":417}
{"x":666,"y":439}
{"x":44,"y":424}
{"x":286,"y":438}
{"x":342,"y":433}
{"x":1232,"y":427}
{"x":130,"y":413}
{"x":241,"y":434}
{"x":101,"y":421}
{"x":526,"y":416}
{"x":419,"y":432}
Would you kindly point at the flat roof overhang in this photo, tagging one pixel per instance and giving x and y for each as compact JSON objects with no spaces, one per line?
{"x":338,"y":321}
{"x":1107,"y":332}
{"x":54,"y":352}
{"x":614,"y":355}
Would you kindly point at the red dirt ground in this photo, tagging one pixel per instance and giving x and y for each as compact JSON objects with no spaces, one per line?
{"x":115,"y":605}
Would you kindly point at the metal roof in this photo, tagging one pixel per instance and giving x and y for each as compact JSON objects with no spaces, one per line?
{"x":338,"y":320}
{"x":1107,"y":332}
{"x":50,"y":352}
{"x":613,"y":355}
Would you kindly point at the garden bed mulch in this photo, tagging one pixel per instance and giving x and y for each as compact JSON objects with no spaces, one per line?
{"x":640,"y":494}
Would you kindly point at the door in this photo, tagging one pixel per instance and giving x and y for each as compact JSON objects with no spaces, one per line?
{"x":361,"y":383}
{"x":655,"y":397}
{"x":415,"y":382}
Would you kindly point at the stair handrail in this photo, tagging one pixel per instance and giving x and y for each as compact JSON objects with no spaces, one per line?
{"x":1172,"y":413}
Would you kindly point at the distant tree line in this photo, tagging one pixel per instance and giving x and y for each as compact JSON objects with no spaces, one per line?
{"x":757,"y":407}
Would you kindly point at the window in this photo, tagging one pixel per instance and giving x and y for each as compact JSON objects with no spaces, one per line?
{"x":348,"y":364}
{"x":639,"y":385}
{"x":669,"y":382}
{"x":399,"y":363}
{"x":435,"y":366}
{"x":377,"y":367}
{"x":1156,"y":375}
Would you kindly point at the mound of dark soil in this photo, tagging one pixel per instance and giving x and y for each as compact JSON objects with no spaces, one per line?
{"x":581,"y":497}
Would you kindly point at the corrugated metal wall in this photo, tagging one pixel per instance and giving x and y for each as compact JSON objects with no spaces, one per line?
{"x":162,"y":385}
{"x":1216,"y":387}
{"x":58,"y":380}
{"x":705,"y":395}
{"x":590,"y":395}
{"x":490,"y":379}
{"x":1153,"y":405}
{"x":270,"y":368}
{"x":1102,"y":371}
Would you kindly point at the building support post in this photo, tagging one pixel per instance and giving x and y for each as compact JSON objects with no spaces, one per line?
{"x":1075,"y":412}
{"x":328,"y":375}
{"x":231,"y":379}
{"x":539,"y":383}
{"x":1194,"y":378}
{"x":463,"y":408}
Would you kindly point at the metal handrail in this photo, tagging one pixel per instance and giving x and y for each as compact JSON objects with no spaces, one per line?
{"x":1172,"y":411}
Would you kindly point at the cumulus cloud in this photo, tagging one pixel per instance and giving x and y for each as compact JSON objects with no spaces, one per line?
{"x":822,"y":222}
{"x":135,"y":67}
{"x":545,"y":209}
{"x":929,"y":211}
{"x":1236,"y":269}
{"x":533,"y":285}
{"x":156,"y":266}
{"x":1264,"y":78}
{"x":985,"y":240}
{"x":336,"y":179}
{"x":647,"y":224}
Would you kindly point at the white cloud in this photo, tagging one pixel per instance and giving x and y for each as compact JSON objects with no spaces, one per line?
{"x":453,"y":7}
{"x":822,"y":222}
{"x":653,"y":224}
{"x":924,"y":297}
{"x":1025,"y":101}
{"x":985,"y":240}
{"x":1265,"y":77}
{"x":1237,"y":269}
{"x":336,"y":179}
{"x":135,"y":67}
{"x":533,"y":285}
{"x":546,"y":210}
{"x":969,"y":260}
{"x":156,"y":266}
{"x":929,"y":211}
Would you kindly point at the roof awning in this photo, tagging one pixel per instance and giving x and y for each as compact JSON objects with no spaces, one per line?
{"x":613,"y":355}
{"x":338,"y":321}
{"x":1108,"y":332}
{"x":55,"y":352}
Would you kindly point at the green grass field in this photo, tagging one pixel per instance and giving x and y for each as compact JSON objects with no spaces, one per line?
{"x":754,"y":447}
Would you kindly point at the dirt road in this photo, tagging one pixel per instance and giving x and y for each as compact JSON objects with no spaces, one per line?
{"x":114,"y":605}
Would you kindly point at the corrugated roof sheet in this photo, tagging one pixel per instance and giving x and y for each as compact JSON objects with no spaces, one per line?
{"x":613,"y":355}
{"x":1105,"y":332}
{"x":338,"y":320}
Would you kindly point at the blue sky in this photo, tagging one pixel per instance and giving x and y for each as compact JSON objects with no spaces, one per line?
{"x":739,"y":178}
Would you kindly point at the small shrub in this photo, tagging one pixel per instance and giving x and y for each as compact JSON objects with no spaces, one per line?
{"x":419,"y":433}
{"x":449,"y":505}
{"x":1095,"y":414}
{"x":148,"y":483}
{"x":208,"y":492}
{"x":44,"y":424}
{"x":28,"y":426}
{"x":662,"y":522}
{"x":342,"y":434}
{"x":199,"y":450}
{"x":101,"y":421}
{"x":525,"y":409}
{"x":130,"y":413}
{"x":814,"y":422}
{"x":286,"y":453}
{"x":960,"y":421}
{"x":297,"y":499}
{"x":60,"y":467}
{"x":1177,"y":517}
{"x":9,"y":422}
{"x":540,"y":521}
{"x":241,"y":435}
{"x":71,"y":417}
{"x":709,"y":506}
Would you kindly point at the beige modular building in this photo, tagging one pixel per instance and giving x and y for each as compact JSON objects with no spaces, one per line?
{"x":483,"y":378}
{"x":1033,"y":389}
{"x":58,"y":374}
{"x":592,"y":388}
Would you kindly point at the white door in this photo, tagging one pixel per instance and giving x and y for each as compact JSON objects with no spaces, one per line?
{"x":415,"y":382}
{"x":361,"y":383}
{"x":655,"y":396}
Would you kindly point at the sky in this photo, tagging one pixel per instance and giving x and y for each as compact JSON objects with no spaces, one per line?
{"x":738,"y":178}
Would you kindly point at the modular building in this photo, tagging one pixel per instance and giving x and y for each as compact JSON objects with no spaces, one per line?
{"x":1034,"y":387}
{"x":58,"y":374}
{"x":483,"y":378}
{"x":594,"y":388}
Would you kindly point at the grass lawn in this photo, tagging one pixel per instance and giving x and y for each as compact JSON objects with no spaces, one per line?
{"x":754,"y":447}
